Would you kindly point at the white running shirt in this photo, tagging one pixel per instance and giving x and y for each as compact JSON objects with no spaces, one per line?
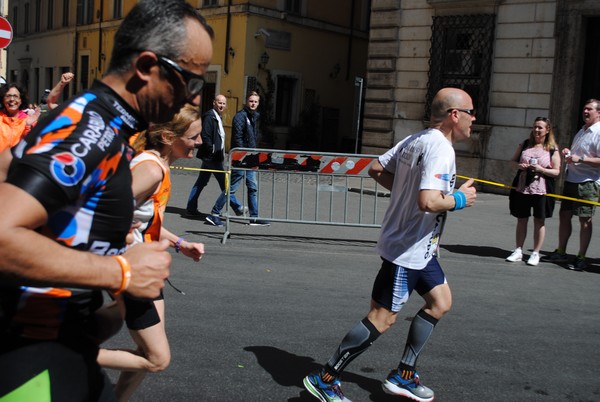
{"x":422,"y":161}
{"x":586,"y":143}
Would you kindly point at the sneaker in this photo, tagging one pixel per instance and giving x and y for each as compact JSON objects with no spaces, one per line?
{"x":242,"y":211}
{"x":193,"y":213}
{"x":214,"y":220}
{"x":516,"y":255}
{"x":413,"y":389}
{"x":325,"y":392}
{"x":555,"y":256}
{"x":578,"y":265}
{"x":534,"y":259}
{"x":259,"y":222}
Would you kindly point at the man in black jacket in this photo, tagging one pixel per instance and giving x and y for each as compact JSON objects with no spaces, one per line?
{"x":212,"y":153}
{"x":244,"y":135}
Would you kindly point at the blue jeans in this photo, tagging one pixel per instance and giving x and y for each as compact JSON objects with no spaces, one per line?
{"x":236,"y":179}
{"x":202,"y":181}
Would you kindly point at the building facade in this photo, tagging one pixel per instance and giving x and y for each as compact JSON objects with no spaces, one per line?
{"x":302,"y":56}
{"x":518,"y":59}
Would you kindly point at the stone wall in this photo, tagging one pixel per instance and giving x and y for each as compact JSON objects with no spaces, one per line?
{"x":521,"y":82}
{"x":384,"y":45}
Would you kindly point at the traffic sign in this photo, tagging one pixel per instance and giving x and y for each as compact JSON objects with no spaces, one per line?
{"x":6,"y":33}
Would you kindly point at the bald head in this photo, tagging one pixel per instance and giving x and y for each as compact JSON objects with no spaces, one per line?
{"x":449,"y":98}
{"x":452,"y":113}
{"x":220,"y":103}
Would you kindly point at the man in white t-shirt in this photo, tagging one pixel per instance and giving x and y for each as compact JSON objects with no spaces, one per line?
{"x":581,"y":181}
{"x":420,"y":172}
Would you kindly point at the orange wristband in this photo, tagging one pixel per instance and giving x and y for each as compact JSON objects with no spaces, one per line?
{"x":125,"y":274}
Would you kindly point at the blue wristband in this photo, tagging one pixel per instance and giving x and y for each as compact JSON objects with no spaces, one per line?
{"x":460,"y":200}
{"x":178,"y":244}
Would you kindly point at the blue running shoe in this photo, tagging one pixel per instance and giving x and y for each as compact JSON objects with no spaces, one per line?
{"x":413,"y":389}
{"x":325,"y":392}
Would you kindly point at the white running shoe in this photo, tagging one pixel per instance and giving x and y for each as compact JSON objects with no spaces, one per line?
{"x":534,"y":259}
{"x":516,"y":255}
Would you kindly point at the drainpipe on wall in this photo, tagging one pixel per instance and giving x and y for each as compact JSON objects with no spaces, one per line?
{"x":100,"y":18}
{"x":227,"y":38}
{"x":350,"y":41}
{"x":76,"y":58}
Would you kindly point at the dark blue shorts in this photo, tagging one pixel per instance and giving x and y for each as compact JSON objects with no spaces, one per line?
{"x":394,"y":284}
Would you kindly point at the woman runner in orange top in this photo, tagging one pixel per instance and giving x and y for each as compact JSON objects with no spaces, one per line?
{"x":156,"y":149}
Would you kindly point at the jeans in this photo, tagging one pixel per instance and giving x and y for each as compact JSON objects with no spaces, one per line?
{"x":236,"y":179}
{"x":202,"y":181}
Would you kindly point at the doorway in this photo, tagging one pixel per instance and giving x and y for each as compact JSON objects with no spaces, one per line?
{"x":590,"y":83}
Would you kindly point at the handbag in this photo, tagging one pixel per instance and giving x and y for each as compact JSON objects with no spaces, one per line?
{"x":513,"y":192}
{"x":550,"y":189}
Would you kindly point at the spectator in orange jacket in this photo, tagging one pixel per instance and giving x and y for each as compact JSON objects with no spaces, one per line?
{"x":14,"y":122}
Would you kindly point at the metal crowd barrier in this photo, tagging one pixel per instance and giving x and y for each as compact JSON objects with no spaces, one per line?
{"x":308,"y":187}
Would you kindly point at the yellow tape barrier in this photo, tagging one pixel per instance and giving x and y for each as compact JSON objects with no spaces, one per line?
{"x":492,"y":183}
{"x":562,"y":197}
{"x":205,"y":170}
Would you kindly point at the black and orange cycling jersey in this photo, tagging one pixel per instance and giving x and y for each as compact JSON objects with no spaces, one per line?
{"x":76,"y":164}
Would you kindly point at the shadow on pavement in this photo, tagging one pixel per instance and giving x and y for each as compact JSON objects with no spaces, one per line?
{"x":593,"y":266}
{"x":495,"y":252}
{"x":183,"y":213}
{"x":288,"y":369}
{"x":481,"y":251}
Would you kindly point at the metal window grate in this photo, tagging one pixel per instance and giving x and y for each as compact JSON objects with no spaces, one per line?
{"x":461,"y":57}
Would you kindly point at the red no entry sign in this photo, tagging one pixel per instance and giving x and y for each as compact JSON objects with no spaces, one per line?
{"x":6,"y":33}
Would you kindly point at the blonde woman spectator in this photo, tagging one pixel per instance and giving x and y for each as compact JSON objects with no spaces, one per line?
{"x":538,"y":164}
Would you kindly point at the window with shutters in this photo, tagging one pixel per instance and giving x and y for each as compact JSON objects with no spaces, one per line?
{"x":65,"y":13}
{"x":50,"y":20}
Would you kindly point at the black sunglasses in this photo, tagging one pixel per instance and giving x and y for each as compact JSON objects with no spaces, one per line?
{"x":194,"y":82}
{"x":467,"y":111}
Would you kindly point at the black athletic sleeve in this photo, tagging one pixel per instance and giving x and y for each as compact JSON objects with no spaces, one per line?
{"x":37,"y":185}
